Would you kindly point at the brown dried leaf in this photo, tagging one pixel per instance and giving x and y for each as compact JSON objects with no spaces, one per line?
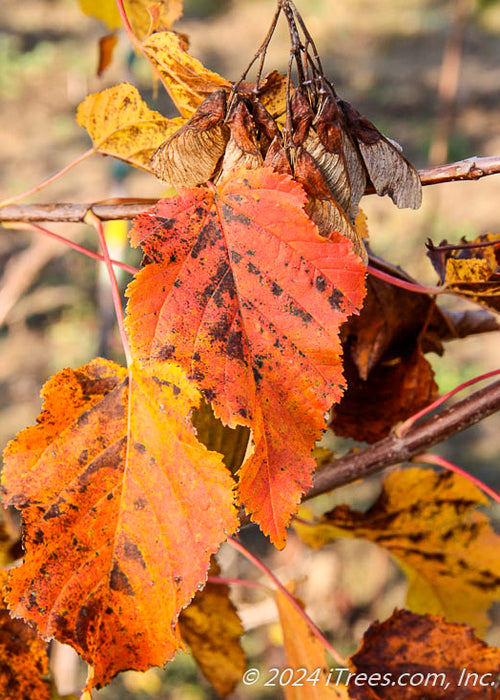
{"x":189,"y":157}
{"x":187,"y":80}
{"x":394,"y":390}
{"x":212,"y":629}
{"x":411,"y":657}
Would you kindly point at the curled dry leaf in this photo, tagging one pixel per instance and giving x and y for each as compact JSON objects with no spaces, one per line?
{"x":430,"y":523}
{"x":187,"y":80}
{"x":122,"y":509}
{"x":189,"y":157}
{"x":211,"y":627}
{"x":472,"y":272}
{"x":245,"y":294}
{"x":120,"y":124}
{"x":409,"y":657}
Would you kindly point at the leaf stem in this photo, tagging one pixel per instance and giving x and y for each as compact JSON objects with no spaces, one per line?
{"x":225,"y":581}
{"x":50,"y":179}
{"x":395,"y":449}
{"x":127,"y":26}
{"x":431,"y":458}
{"x":314,"y":629}
{"x":406,"y":425}
{"x":76,"y":246}
{"x":409,"y":286}
{"x":94,"y":221}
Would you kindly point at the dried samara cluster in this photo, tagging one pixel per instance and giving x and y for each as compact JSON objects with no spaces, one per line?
{"x":325,"y":144}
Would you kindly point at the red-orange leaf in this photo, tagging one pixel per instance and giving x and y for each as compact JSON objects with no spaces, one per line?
{"x":248,"y":297}
{"x":122,"y":509}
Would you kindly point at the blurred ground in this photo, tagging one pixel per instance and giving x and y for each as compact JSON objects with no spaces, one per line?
{"x":385,"y":58}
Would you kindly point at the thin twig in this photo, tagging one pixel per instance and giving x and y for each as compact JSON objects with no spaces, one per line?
{"x":419,"y":438}
{"x":437,"y":460}
{"x":260,"y":565}
{"x":468,"y":169}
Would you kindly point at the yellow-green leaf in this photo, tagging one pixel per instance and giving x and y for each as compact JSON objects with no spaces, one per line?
{"x":120,"y":124}
{"x":429,"y":523}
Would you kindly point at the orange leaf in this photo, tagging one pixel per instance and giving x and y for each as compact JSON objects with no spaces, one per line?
{"x":186,"y":79}
{"x":247,"y":296}
{"x":122,"y":507}
{"x":24,"y":662}
{"x":304,"y":652}
{"x":409,"y":657}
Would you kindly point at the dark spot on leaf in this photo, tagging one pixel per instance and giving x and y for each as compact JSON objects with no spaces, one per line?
{"x":234,"y":345}
{"x":276,"y":290}
{"x":235,"y":256}
{"x":257,"y":375}
{"x":243,"y":412}
{"x":209,"y":394}
{"x":232,"y":216}
{"x":252,"y":269}
{"x":196,"y":356}
{"x":82,"y":459}
{"x":335,"y":299}
{"x":118,"y":581}
{"x":298,"y":311}
{"x":132,"y":551}
{"x":176,"y":390}
{"x":166,"y":224}
{"x":38,"y":538}
{"x":140,"y":447}
{"x":320,"y":283}
{"x":177,"y":283}
{"x":53,"y":512}
{"x":110,"y":496}
{"x":140,"y":503}
{"x":167,"y":352}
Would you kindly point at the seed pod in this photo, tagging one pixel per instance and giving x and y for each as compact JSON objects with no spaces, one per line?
{"x":242,"y":150}
{"x":388,"y":169}
{"x":190,"y":156}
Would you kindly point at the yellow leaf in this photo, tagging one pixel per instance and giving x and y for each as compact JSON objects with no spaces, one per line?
{"x":305,"y":654}
{"x":120,"y":124}
{"x":429,"y":523}
{"x":186,"y":79}
{"x":140,"y":13}
{"x":211,"y":627}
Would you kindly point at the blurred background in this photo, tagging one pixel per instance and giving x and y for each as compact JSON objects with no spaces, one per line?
{"x":426,"y":72}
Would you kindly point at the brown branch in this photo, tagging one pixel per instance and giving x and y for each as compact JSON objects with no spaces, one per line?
{"x":394,"y":450}
{"x":468,"y":169}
